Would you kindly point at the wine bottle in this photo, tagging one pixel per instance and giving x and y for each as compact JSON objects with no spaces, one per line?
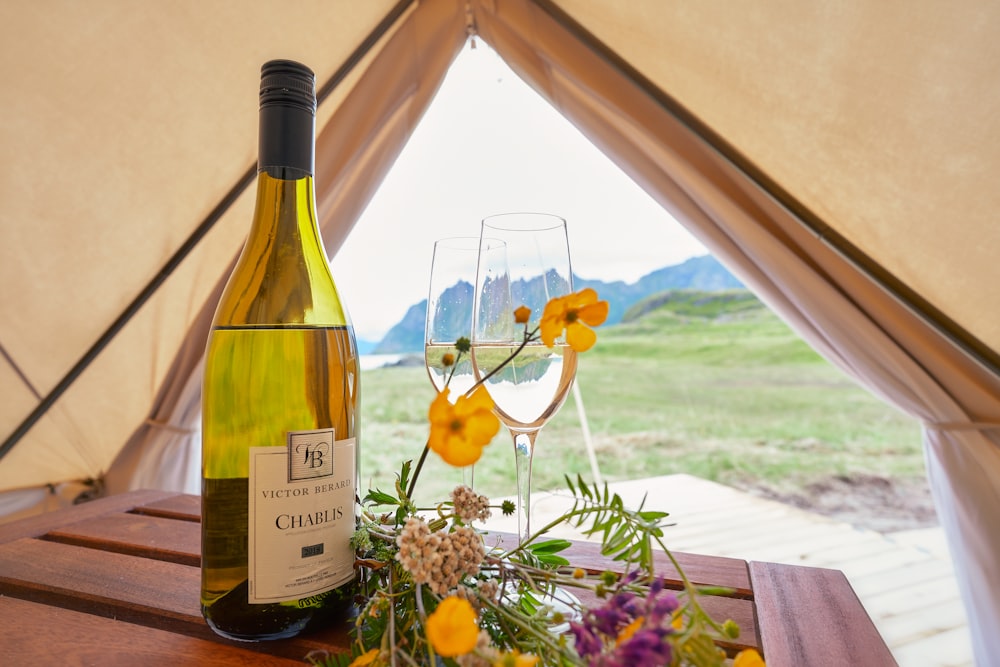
{"x":280,"y":402}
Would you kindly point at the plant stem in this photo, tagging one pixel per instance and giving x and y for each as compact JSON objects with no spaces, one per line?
{"x":528,"y":337}
{"x":416,"y":473}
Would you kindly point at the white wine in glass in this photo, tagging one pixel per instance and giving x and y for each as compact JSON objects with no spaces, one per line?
{"x":533,"y":268}
{"x":449,"y":317}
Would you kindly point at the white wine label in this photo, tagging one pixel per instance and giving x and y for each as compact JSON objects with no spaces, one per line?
{"x":301,"y":517}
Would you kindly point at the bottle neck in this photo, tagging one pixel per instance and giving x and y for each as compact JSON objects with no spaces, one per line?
{"x":286,"y":144}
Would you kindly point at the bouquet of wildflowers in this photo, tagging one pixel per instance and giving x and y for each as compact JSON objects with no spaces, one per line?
{"x":436,"y":590}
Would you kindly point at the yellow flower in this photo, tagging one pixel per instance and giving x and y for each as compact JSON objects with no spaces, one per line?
{"x":447,"y":359}
{"x":452,"y":628}
{"x":460,"y":431}
{"x":574,"y":313}
{"x":365,"y":658}
{"x":515,"y":659}
{"x":748,"y":658}
{"x":522,"y":315}
{"x":629,"y":630}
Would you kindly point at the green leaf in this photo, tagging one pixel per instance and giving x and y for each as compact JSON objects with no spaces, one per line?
{"x":379,"y":497}
{"x":549,"y":546}
{"x":652,"y":515}
{"x":552,"y":560}
{"x":401,"y":515}
{"x":569,"y":484}
{"x":404,"y":475}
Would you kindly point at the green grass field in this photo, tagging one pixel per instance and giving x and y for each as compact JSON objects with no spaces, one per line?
{"x":722,"y":391}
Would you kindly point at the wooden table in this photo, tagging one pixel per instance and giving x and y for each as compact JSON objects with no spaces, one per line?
{"x":116,"y":582}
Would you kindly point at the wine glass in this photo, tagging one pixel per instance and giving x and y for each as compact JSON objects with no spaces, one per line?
{"x":449,"y":316}
{"x":532,"y":268}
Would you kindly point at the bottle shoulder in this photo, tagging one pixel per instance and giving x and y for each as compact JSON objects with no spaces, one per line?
{"x":282,"y":276}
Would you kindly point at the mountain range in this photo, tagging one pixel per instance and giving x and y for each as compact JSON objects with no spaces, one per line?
{"x":702,"y":273}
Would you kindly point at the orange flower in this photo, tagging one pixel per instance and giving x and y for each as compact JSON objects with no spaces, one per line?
{"x":460,"y":431}
{"x":574,"y":313}
{"x":522,"y":315}
{"x":515,"y":659}
{"x":748,"y":658}
{"x":452,"y":628}
{"x":629,"y":630}
{"x":365,"y":658}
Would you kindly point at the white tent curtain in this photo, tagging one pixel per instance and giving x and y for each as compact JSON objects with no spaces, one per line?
{"x":837,"y":307}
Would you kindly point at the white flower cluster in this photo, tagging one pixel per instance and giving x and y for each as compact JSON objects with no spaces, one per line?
{"x":439,"y":559}
{"x":469,"y":505}
{"x":483,"y":590}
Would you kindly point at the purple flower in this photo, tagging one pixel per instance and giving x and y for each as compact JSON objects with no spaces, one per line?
{"x":646,"y":647}
{"x":628,"y":630}
{"x":587,"y":643}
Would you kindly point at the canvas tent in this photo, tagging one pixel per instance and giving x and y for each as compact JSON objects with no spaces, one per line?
{"x":839,"y":157}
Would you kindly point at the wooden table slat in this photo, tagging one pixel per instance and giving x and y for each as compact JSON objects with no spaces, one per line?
{"x":128,"y":588}
{"x":813,"y":616}
{"x":178,"y":506}
{"x":700,"y":570}
{"x":34,"y":526}
{"x":85,"y":639}
{"x":136,"y":535}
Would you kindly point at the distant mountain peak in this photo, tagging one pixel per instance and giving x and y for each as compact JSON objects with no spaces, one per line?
{"x":700,"y":273}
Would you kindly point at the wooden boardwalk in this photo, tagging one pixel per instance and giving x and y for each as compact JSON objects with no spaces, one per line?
{"x":905,"y":580}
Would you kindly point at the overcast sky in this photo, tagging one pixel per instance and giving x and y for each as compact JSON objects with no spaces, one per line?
{"x":489,"y":144}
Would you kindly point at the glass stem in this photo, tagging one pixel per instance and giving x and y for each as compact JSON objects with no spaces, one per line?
{"x":524,"y":450}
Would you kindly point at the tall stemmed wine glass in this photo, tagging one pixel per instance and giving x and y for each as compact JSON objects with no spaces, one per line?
{"x":534,"y":268}
{"x":449,"y":316}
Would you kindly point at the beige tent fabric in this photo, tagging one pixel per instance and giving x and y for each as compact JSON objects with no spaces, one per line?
{"x":124,"y":125}
{"x":837,"y":308}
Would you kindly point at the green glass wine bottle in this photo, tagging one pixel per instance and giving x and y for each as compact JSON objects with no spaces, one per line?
{"x":280,"y":401}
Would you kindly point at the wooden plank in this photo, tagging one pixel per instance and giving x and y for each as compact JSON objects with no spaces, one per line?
{"x":178,"y":506}
{"x":71,"y":637}
{"x":43,"y":523}
{"x":811,"y":616}
{"x":700,"y":570}
{"x":137,"y":535}
{"x":144,"y":591}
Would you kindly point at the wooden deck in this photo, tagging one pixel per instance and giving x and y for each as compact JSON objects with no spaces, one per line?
{"x":904,"y":580}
